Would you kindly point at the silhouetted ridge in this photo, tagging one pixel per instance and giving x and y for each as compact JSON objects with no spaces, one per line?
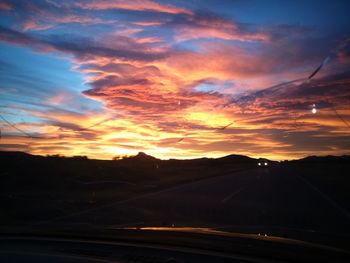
{"x":143,"y":157}
{"x":325,"y":159}
{"x":235,"y":158}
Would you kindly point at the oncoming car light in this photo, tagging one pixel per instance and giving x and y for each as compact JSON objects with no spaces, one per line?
{"x":263,"y":164}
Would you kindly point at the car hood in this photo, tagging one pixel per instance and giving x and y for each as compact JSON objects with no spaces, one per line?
{"x":252,"y":237}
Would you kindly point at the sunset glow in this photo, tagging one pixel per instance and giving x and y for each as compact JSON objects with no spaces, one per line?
{"x":174,"y":79}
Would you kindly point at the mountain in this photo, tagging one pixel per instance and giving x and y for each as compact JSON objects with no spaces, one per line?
{"x":325,"y":159}
{"x":236,"y":158}
{"x":142,"y":157}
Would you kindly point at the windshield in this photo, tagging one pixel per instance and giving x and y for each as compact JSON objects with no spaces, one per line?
{"x":228,"y":115}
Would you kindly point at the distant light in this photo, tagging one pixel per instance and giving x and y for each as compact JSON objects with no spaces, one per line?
{"x":313,"y":110}
{"x":259,"y":164}
{"x":179,"y":102}
{"x":265,"y":164}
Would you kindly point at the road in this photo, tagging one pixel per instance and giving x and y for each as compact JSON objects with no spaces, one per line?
{"x":274,"y":196}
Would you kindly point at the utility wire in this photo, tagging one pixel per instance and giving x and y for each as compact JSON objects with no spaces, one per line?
{"x":340,"y":117}
{"x":18,"y":129}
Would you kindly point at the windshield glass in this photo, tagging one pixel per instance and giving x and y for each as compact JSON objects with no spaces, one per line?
{"x":230,"y":115}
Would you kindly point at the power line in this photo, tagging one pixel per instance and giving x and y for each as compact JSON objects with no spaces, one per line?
{"x":340,"y":117}
{"x":18,"y":129}
{"x":95,"y":124}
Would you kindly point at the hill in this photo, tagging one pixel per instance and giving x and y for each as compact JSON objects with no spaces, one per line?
{"x":325,"y":159}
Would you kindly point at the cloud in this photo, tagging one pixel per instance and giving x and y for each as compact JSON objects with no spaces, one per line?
{"x":5,"y":6}
{"x":343,"y":52}
{"x":135,"y":96}
{"x":208,"y":25}
{"x":164,"y":74}
{"x":288,"y":107}
{"x":49,"y":20}
{"x":136,"y":5}
{"x":14,"y":147}
{"x":257,"y":68}
{"x":148,"y":23}
{"x":45,"y":15}
{"x":16,"y":37}
{"x":127,"y":48}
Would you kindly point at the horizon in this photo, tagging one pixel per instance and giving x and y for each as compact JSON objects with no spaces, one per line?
{"x":120,"y":157}
{"x":175,"y":79}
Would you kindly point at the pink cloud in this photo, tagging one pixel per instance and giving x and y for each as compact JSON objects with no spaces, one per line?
{"x":148,"y":23}
{"x":49,"y":20}
{"x":343,"y":52}
{"x":150,"y":40}
{"x":33,"y":25}
{"x":187,"y":33}
{"x":5,"y":6}
{"x":210,"y":26}
{"x":137,"y":5}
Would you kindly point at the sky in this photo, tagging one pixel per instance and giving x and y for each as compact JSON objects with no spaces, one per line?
{"x":175,"y":79}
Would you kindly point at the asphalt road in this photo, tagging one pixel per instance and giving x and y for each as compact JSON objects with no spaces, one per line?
{"x":274,"y":196}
